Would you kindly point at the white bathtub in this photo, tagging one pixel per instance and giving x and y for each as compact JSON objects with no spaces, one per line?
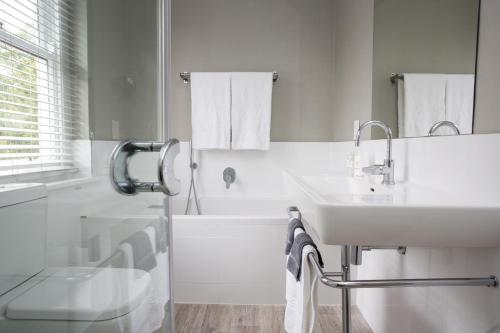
{"x":233,"y":253}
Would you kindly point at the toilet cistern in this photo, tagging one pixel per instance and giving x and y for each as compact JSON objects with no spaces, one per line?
{"x":229,"y":176}
{"x":386,"y":169}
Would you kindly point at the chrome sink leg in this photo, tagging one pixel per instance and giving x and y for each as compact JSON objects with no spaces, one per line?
{"x":346,"y":293}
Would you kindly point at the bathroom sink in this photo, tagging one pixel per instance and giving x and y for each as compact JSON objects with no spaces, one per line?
{"x":345,"y":210}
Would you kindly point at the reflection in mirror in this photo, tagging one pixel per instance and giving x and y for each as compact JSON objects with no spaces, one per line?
{"x":424,"y":58}
{"x":123,"y":69}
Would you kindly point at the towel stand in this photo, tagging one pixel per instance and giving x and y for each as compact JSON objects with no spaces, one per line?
{"x":186,"y":76}
{"x":341,"y":280}
{"x":324,"y":277}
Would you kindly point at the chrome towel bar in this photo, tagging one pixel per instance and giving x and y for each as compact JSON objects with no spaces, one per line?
{"x":490,"y":281}
{"x":186,"y":76}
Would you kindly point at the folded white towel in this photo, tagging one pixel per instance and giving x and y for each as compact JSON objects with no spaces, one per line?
{"x":460,"y":101}
{"x":424,"y":103}
{"x":150,"y":314}
{"x":210,"y":110}
{"x":251,"y":99}
{"x":302,"y":296}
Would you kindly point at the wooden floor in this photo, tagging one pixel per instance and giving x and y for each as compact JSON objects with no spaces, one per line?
{"x":205,"y":318}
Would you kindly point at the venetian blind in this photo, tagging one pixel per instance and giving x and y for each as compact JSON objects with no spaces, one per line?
{"x":41,"y":100}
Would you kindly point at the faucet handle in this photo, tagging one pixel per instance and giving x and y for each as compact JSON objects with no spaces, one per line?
{"x":229,"y":176}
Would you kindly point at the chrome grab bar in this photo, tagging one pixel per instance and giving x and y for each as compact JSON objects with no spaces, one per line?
{"x":123,"y":183}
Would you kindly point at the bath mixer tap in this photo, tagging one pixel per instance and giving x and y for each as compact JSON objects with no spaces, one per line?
{"x":229,"y":176}
{"x":386,"y":169}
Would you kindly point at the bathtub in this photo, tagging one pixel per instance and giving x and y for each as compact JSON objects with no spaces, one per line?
{"x":233,"y":253}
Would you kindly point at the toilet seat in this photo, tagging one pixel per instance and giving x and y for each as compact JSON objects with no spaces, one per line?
{"x":82,"y":294}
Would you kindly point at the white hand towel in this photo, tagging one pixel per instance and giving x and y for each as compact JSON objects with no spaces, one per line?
{"x":251,"y":99}
{"x":302,"y":296}
{"x":211,"y":110}
{"x":424,"y":103}
{"x":460,"y":101}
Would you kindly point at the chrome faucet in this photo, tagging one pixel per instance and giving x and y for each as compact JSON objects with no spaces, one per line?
{"x":229,"y":176}
{"x":442,"y":123}
{"x":386,"y":169}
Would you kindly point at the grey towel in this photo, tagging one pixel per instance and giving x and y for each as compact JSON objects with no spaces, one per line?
{"x":142,"y":249}
{"x":294,"y":264}
{"x":292,"y":225}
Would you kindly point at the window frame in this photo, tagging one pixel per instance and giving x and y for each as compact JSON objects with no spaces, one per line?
{"x":54,"y":87}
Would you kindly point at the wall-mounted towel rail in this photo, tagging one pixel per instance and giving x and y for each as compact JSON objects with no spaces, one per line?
{"x":186,"y":76}
{"x":396,"y":76}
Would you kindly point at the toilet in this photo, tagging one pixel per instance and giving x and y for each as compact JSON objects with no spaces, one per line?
{"x":35,"y":298}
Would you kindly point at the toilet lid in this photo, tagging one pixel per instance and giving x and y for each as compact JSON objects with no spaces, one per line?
{"x":82,"y":293}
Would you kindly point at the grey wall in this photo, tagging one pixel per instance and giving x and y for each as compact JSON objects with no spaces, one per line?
{"x":487,"y":112}
{"x":424,"y":36}
{"x":353,"y":65}
{"x":122,"y":40}
{"x":293,"y":37}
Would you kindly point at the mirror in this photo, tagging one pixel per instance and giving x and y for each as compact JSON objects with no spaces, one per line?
{"x":335,"y":60}
{"x":123,"y":58}
{"x":424,"y":62}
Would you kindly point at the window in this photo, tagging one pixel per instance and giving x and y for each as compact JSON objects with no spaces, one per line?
{"x":39,"y":97}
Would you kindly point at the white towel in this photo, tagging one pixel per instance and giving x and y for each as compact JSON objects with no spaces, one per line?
{"x":302,"y":296}
{"x":460,"y":101}
{"x":128,"y":255}
{"x":150,"y":315}
{"x":251,"y":99}
{"x":210,"y":110}
{"x":401,"y":107}
{"x":424,"y":103}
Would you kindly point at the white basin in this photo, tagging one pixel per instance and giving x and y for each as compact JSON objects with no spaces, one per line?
{"x":346,"y":210}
